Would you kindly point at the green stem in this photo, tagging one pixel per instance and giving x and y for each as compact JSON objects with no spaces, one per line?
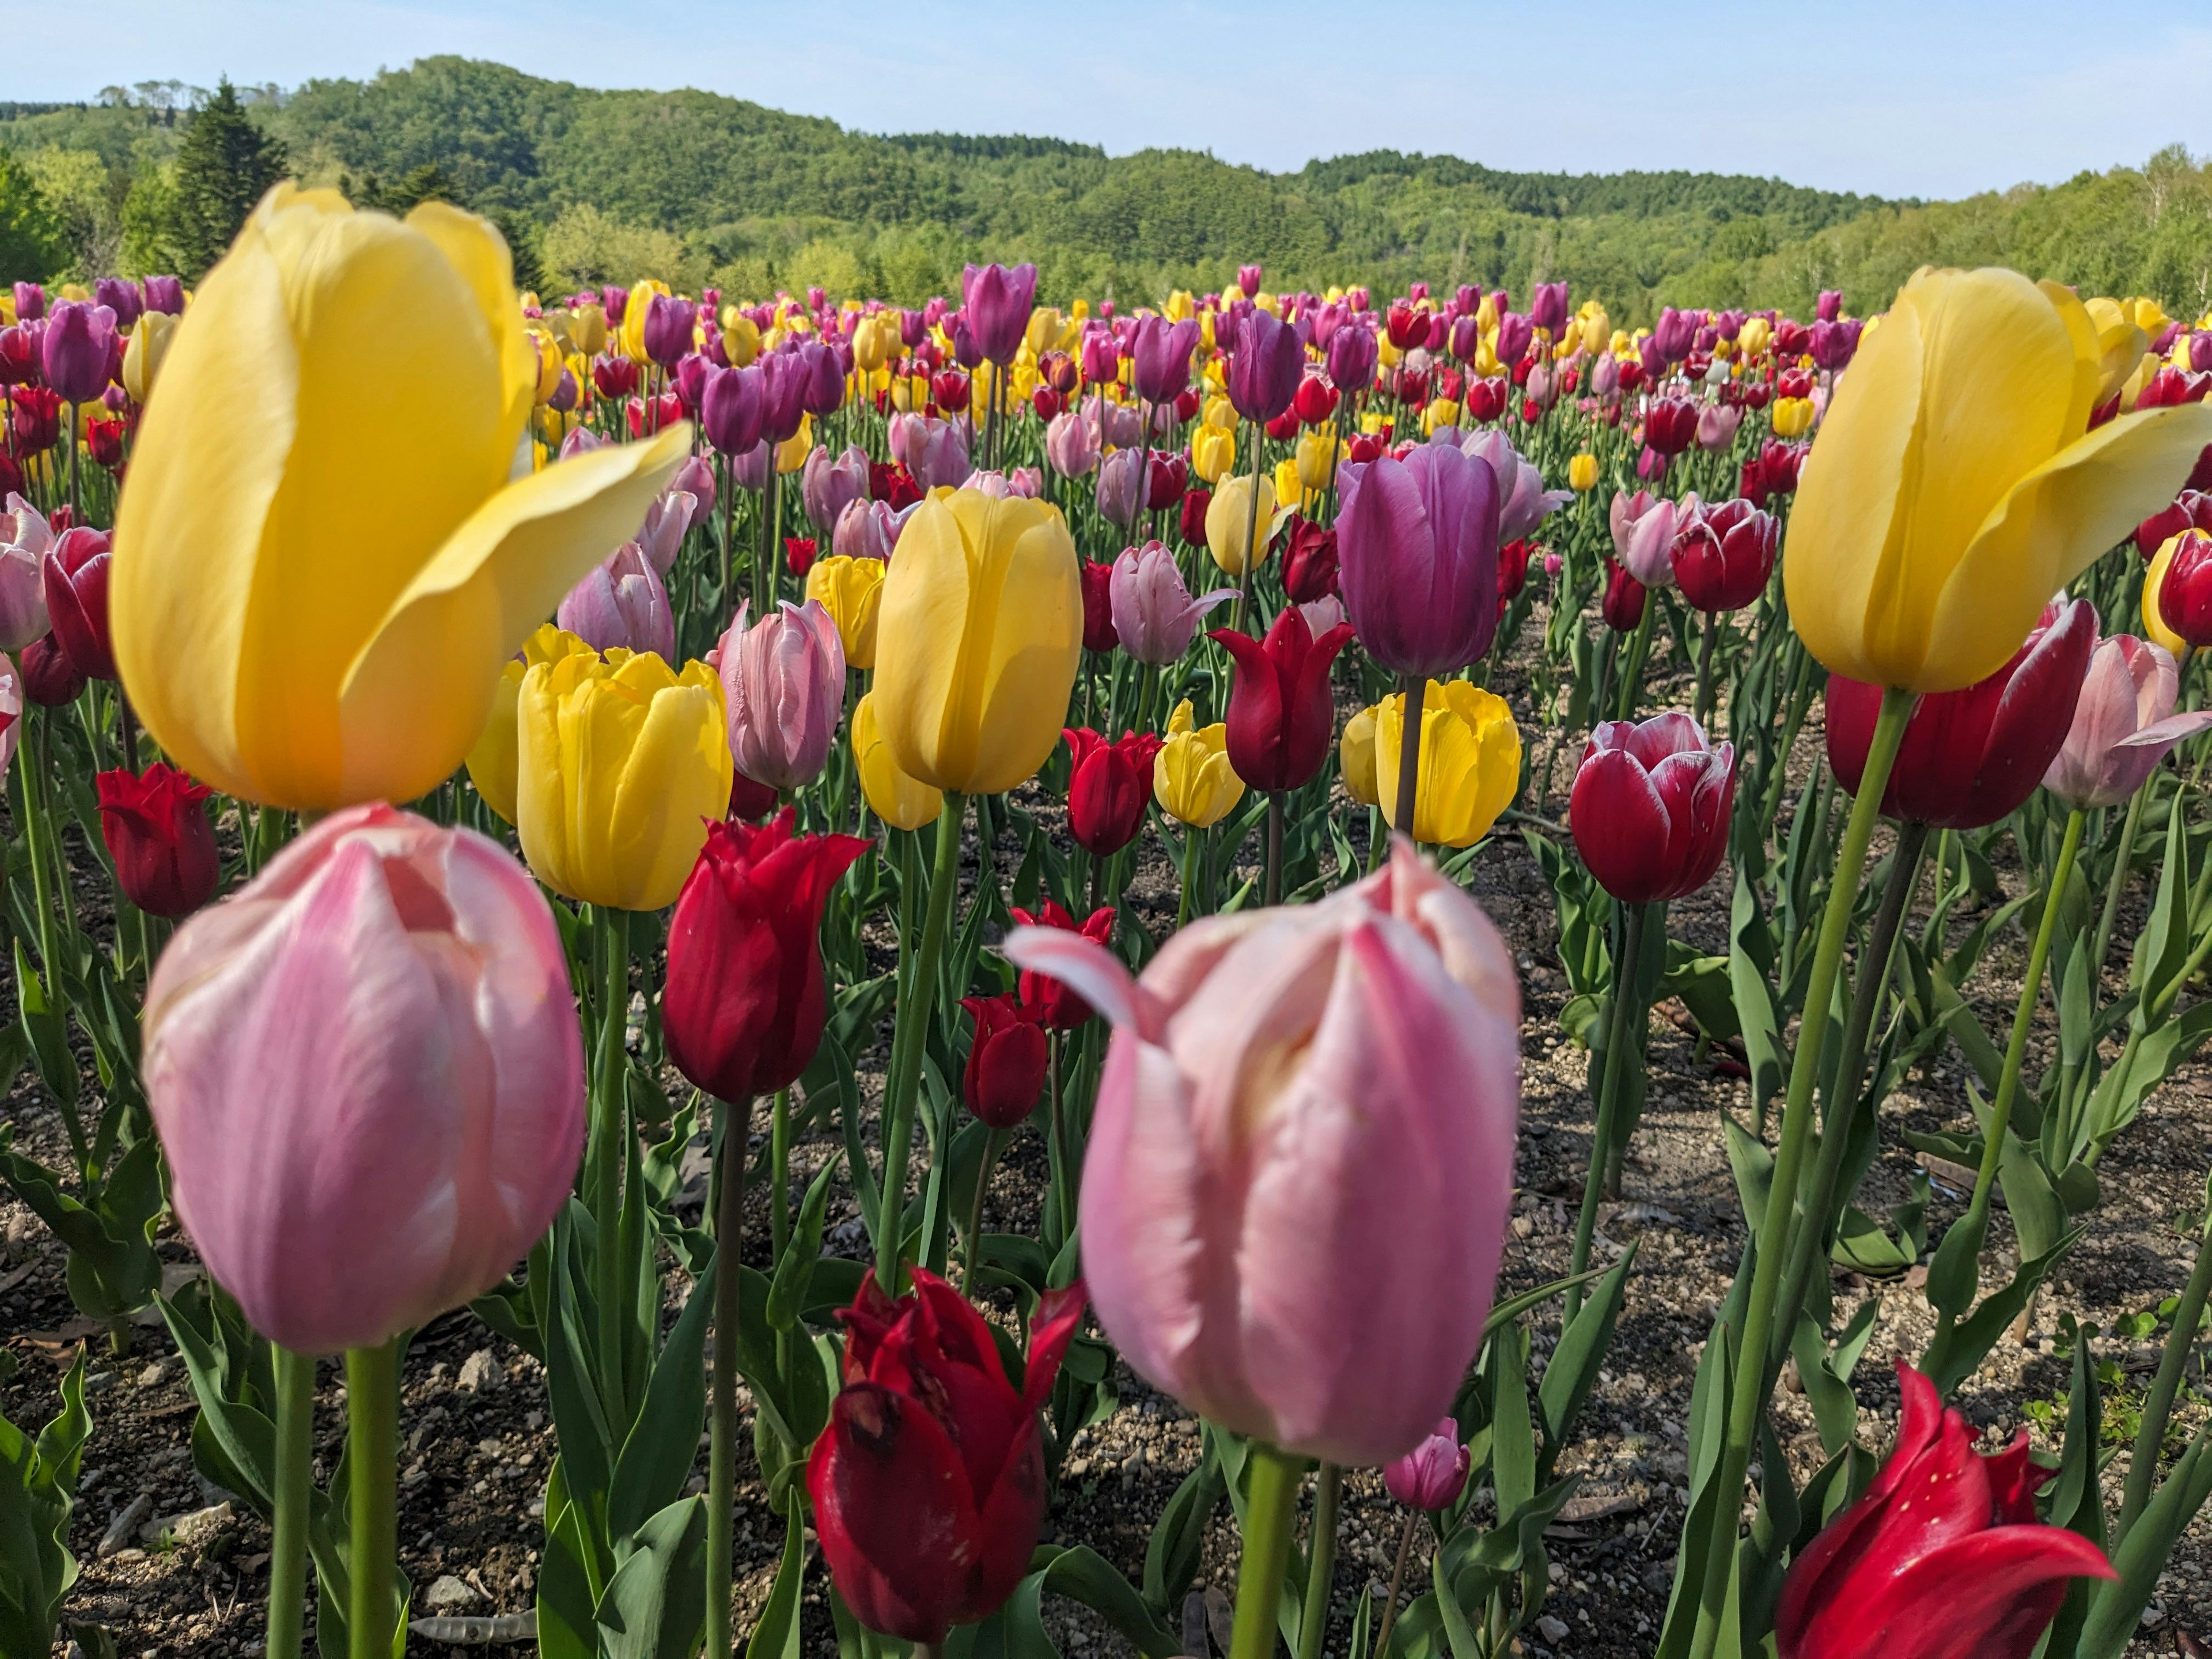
{"x":1710,"y":639}
{"x":607,"y":1156}
{"x":1416,"y":691}
{"x":2158,"y":1407}
{"x":918,"y":992}
{"x":779,"y":1195}
{"x":1251,"y":527}
{"x":373,"y":1478}
{"x":1397,"y":1581}
{"x":288,"y":1548}
{"x":1271,"y":1512}
{"x":1619,"y":1029}
{"x":722,"y":1437}
{"x":1748,"y":1401}
{"x":1321,"y":1561}
{"x":1192,"y":835}
{"x":2118,"y":882}
{"x":1631,"y":672}
{"x":992,"y":1140}
{"x":1274,"y":884}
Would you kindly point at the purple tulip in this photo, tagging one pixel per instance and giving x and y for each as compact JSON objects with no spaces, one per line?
{"x":1159,"y":355}
{"x":1102,"y":356}
{"x":729,"y":410}
{"x":1327,"y":320}
{"x":614,"y":301}
{"x":997,"y":302}
{"x":1515,"y":332}
{"x":622,"y":602}
{"x":827,"y":486}
{"x":783,"y":686}
{"x":1432,"y":1475}
{"x":1829,"y":305}
{"x":1265,"y":368}
{"x":869,"y":530}
{"x":691,"y":373}
{"x":565,"y":393}
{"x":30,"y":302}
{"x":1467,"y":300}
{"x":1121,"y":492}
{"x":824,"y":387}
{"x":783,"y":392}
{"x":1417,"y":545}
{"x":1676,"y":332}
{"x":665,"y":522}
{"x":1247,"y":279}
{"x":935,"y":451}
{"x":1835,"y":343}
{"x":750,"y":471}
{"x":1465,"y":338}
{"x":120,"y":295}
{"x":695,"y":478}
{"x":1728,"y":324}
{"x":78,"y":350}
{"x":1547,"y":307}
{"x":1352,"y":354}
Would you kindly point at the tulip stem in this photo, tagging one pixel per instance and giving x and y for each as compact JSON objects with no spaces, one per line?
{"x":1747,"y":1401}
{"x":1397,"y":1581}
{"x":1619,"y":1026}
{"x":1274,"y":886}
{"x":993,"y":1140}
{"x":1631,"y":672}
{"x":722,"y":1439}
{"x":607,"y":1156}
{"x":2118,"y":883}
{"x":1251,"y":529}
{"x":1192,"y":835}
{"x":287,"y":1547}
{"x":1321,"y":1561}
{"x":372,"y":1474}
{"x":1271,"y":1511}
{"x":2158,"y":1408}
{"x":1707,"y":644}
{"x":917,"y":994}
{"x":1961,"y":1247}
{"x":1415,"y":689}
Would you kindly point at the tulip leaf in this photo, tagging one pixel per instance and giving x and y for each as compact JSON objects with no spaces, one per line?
{"x":2162,"y":947}
{"x":1513,"y":1439}
{"x":37,"y":1490}
{"x":786,"y":1294}
{"x":1016,"y":1631}
{"x":2116,"y":1607}
{"x":1709,"y":1408}
{"x":1752,"y":1166}
{"x":1705,"y":985}
{"x":657,"y":1453}
{"x":1572,"y":1370}
{"x":655,"y":1606}
{"x":2148,"y":1061}
{"x":48,"y":1031}
{"x":1178,"y":1537}
{"x":1457,"y":1631}
{"x":864,"y":1193}
{"x":2075,"y":1499}
{"x":1751,"y":961}
{"x":775,"y":1633}
{"x":1958,"y":1350}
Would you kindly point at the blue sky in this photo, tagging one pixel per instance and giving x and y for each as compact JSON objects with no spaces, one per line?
{"x":1939,"y":98}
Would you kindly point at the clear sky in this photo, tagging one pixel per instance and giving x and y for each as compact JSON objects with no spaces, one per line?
{"x":1932,"y":98}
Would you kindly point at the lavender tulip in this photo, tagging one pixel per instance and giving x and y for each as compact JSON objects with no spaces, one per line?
{"x":1716,"y":426}
{"x":622,"y":602}
{"x":935,"y":451}
{"x":827,"y":486}
{"x":666,"y":520}
{"x":1523,"y":501}
{"x":783,"y":688}
{"x":1154,"y":613}
{"x":25,"y":538}
{"x":696,"y":478}
{"x":1417,"y":543}
{"x":1120,"y":490}
{"x":1071,"y":443}
{"x":869,"y":530}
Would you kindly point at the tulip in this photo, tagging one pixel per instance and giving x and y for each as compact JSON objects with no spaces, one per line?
{"x":782,"y":395}
{"x":979,"y":638}
{"x":621,"y":763}
{"x":827,"y":485}
{"x":2181,"y":581}
{"x":30,"y":302}
{"x":1581,"y":473}
{"x":671,"y":329}
{"x":1523,"y":501}
{"x":1943,"y":1557}
{"x":1265,"y":366}
{"x":1418,"y":542}
{"x":1108,"y":784}
{"x":2124,"y":725}
{"x":1300,"y":1167}
{"x":1228,"y":523}
{"x":1212,"y":453}
{"x":1192,"y":778}
{"x":25,"y":539}
{"x":1991,"y":380}
{"x":1159,"y":358}
{"x":851,"y":591}
{"x":1515,"y":333}
{"x":996,"y":303}
{"x":392,"y":568}
{"x":730,"y":410}
{"x":1280,"y":712}
{"x":367,"y":1075}
{"x":77,"y":349}
{"x":621,"y":603}
{"x":1071,"y":444}
{"x":1716,"y":426}
{"x":1670,"y":426}
{"x":158,"y":835}
{"x":1723,"y":556}
{"x":1309,"y":561}
{"x":491,"y":762}
{"x":74,"y":574}
{"x":900,"y":801}
{"x":1155,"y":617}
{"x":1098,"y":632}
{"x":149,"y":348}
{"x":934,"y":451}
{"x":165,"y":295}
{"x":1773,"y":472}
{"x":1650,"y":809}
{"x":746,"y":999}
{"x":822,"y":379}
{"x":1006,"y":1060}
{"x":928,"y":1484}
{"x":1432,"y":1475}
{"x":1643,"y":526}
{"x":1058,"y":1004}
{"x":783,"y":689}
{"x":1469,"y":761}
{"x":1972,"y":756}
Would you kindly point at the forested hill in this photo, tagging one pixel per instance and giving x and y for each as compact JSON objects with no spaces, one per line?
{"x":599,"y":185}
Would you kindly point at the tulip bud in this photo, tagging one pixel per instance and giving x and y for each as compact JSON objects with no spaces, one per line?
{"x":1228,"y":523}
{"x":1192,"y":779}
{"x":1650,"y":809}
{"x":1280,"y":711}
{"x":1108,"y":784}
{"x":74,"y":574}
{"x":157,"y":832}
{"x":1309,"y":561}
{"x":1006,"y":1060}
{"x":783,"y":687}
{"x":1432,"y":1475}
{"x":2183,"y":586}
{"x":995,"y":304}
{"x":1265,"y":368}
{"x":1622,"y":606}
{"x":1351,"y":359}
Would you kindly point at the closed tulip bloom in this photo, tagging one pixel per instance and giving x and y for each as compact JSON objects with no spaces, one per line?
{"x":2124,"y":725}
{"x":1643,"y":526}
{"x":1301,"y":1164}
{"x":1212,"y":453}
{"x":1155,"y":617}
{"x":2180,"y":580}
{"x":75,"y":574}
{"x":1723,"y":556}
{"x":1159,"y":358}
{"x":1470,"y":767}
{"x":359,"y":574}
{"x":1523,"y":501}
{"x":78,"y":349}
{"x":165,"y":296}
{"x":1943,"y":1559}
{"x":1006,"y":1059}
{"x":621,"y":603}
{"x":671,"y":328}
{"x":1309,"y":561}
{"x":1058,"y":1004}
{"x":50,"y":678}
{"x":1071,"y":444}
{"x":783,"y":396}
{"x":745,"y":998}
{"x":1098,"y":632}
{"x":1674,"y":333}
{"x":1351,"y":359}
{"x":1417,"y":540}
{"x":1108,"y":786}
{"x":1280,"y":712}
{"x":730,"y":410}
{"x":149,"y":348}
{"x":1355,"y":756}
{"x":783,"y":685}
{"x":492,"y":760}
{"x":900,"y":800}
{"x":1192,"y":779}
{"x":1921,"y":560}
{"x":1670,"y":426}
{"x":1432,"y":1475}
{"x":1120,"y":493}
{"x":996,"y":303}
{"x":1581,"y":473}
{"x":829,"y":484}
{"x":1650,"y":807}
{"x":1228,"y":523}
{"x":934,"y":451}
{"x":155,"y":825}
{"x":367,"y":1078}
{"x":1717,"y":424}
{"x":1971,"y":757}
{"x":30,"y":302}
{"x":25,"y":539}
{"x":821,"y":385}
{"x":1547,"y":307}
{"x":851,"y":590}
{"x":620,"y":764}
{"x":1265,"y":366}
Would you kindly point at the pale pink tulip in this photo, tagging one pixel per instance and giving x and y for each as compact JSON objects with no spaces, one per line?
{"x":1717,"y":424}
{"x":2124,"y":725}
{"x":622,"y":603}
{"x":1644,"y":527}
{"x":665,"y":522}
{"x":1153,"y":612}
{"x":11,"y":713}
{"x":1071,"y":444}
{"x":869,"y":530}
{"x":696,"y":478}
{"x":366,"y":1073}
{"x":1301,"y":1165}
{"x":828,"y":483}
{"x":783,"y":688}
{"x":24,"y":538}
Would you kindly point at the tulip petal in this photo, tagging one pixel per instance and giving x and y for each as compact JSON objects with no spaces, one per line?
{"x":1084,"y":965}
{"x":1620,"y":825}
{"x":1987,"y":1596}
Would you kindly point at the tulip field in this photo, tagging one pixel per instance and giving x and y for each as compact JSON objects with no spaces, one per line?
{"x":1385,"y":975}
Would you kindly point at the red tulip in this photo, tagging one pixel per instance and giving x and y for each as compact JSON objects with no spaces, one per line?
{"x":1723,"y":555}
{"x":1943,"y":1558}
{"x":1316,"y":400}
{"x":158,"y":834}
{"x":749,"y":800}
{"x":2192,"y":510}
{"x":1062,"y":1009}
{"x":1109,"y":786}
{"x":1098,"y":632}
{"x":2184,"y":596}
{"x":51,"y":678}
{"x":1971,"y":756}
{"x":1650,"y":807}
{"x":746,"y":999}
{"x":615,"y":377}
{"x":1309,"y":561}
{"x":890,"y":482}
{"x":1670,"y":425}
{"x":948,"y":389}
{"x":1773,"y":472}
{"x":1280,"y":712}
{"x":928,"y":1484}
{"x":1192,"y":521}
{"x":38,"y":419}
{"x":1406,"y":327}
{"x":1165,"y":482}
{"x":798,"y":555}
{"x":1485,"y":399}
{"x":1623,"y":604}
{"x":75,"y":571}
{"x":1007,"y":1060}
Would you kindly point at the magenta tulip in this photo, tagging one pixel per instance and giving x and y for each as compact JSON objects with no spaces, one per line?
{"x":1432,"y":1475}
{"x":1265,"y":366}
{"x":1159,"y":358}
{"x":1417,"y":549}
{"x":77,"y":350}
{"x":783,"y":688}
{"x":996,"y":303}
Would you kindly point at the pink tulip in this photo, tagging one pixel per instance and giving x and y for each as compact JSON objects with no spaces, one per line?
{"x":665,"y":522}
{"x":1432,"y":1475}
{"x":696,"y":478}
{"x":1294,"y":1195}
{"x":828,"y":485}
{"x":869,"y":530}
{"x":367,"y":1074}
{"x":1643,"y":535}
{"x":2124,"y":725}
{"x":622,"y":602}
{"x":1119,"y":491}
{"x":1716,"y":425}
{"x":1153,"y":612}
{"x":580,"y":440}
{"x":25,"y":538}
{"x":1071,"y":444}
{"x":1023,"y":481}
{"x":783,"y":685}
{"x":935,"y":451}
{"x":1523,"y":501}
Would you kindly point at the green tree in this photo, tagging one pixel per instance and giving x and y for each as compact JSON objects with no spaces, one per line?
{"x":30,"y":235}
{"x":225,"y":164}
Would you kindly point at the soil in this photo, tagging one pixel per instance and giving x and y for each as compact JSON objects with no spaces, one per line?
{"x":477,"y":1441}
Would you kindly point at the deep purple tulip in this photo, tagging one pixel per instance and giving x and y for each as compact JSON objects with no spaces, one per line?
{"x":1351,"y":357}
{"x":1835,"y":343}
{"x":1159,"y":358}
{"x":1265,"y":368}
{"x":1829,"y":305}
{"x":1547,"y":307}
{"x":783,"y":390}
{"x":78,"y":350}
{"x":120,"y":295}
{"x":691,"y":374}
{"x":997,"y":303}
{"x":824,"y":387}
{"x":165,"y":294}
{"x":1515,"y":332}
{"x":1417,"y":547}
{"x":729,"y":410}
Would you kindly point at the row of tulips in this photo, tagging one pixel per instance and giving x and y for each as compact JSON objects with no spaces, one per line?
{"x":541,"y":577}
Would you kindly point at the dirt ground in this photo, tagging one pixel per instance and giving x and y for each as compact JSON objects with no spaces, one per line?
{"x":478,"y":1440}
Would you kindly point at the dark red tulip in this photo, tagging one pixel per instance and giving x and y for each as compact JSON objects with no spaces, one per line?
{"x":1309,"y":565}
{"x":1109,"y":786}
{"x":38,"y":424}
{"x":1098,"y":632}
{"x":2193,"y":510}
{"x":1651,"y":806}
{"x":891,"y":483}
{"x":75,"y":571}
{"x":1670,"y":425}
{"x":948,"y":389}
{"x":1006,"y":1060}
{"x":1280,"y":712}
{"x":615,"y":377}
{"x":750,"y":800}
{"x":2170,"y":387}
{"x":1192,"y":521}
{"x":1063,"y":1010}
{"x":1773,"y":472}
{"x":1971,"y":756}
{"x":2184,"y":596}
{"x":1186,"y":405}
{"x":1316,"y":400}
{"x":1485,"y":399}
{"x":928,"y":1483}
{"x":1943,"y":1559}
{"x":745,"y":998}
{"x":1723,"y":555}
{"x":1512,"y":571}
{"x":1623,"y":604}
{"x":51,"y":678}
{"x":1405,"y":326}
{"x":103,"y":439}
{"x":1165,"y":480}
{"x":1791,"y":339}
{"x":157,"y":831}
{"x":798,"y":555}
{"x":1794,"y":383}
{"x":1046,"y":402}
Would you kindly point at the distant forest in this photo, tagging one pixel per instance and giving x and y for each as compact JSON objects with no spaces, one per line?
{"x":607,"y":187}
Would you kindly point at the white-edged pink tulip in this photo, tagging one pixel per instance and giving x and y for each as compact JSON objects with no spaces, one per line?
{"x":25,"y":539}
{"x":783,"y":691}
{"x":2124,"y":725}
{"x":1643,"y":526}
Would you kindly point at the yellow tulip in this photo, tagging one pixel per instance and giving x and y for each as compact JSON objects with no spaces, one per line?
{"x":902,"y":802}
{"x":1355,"y":752}
{"x":2120,"y":348}
{"x":492,"y":761}
{"x":741,"y":337}
{"x":873,"y":340}
{"x":791,"y":454}
{"x":73,"y":291}
{"x":976,"y":648}
{"x":1270,"y":303}
{"x":357,"y":575}
{"x":1485,"y":359}
{"x":1316,"y":457}
{"x":587,"y":330}
{"x":1954,"y":486}
{"x":1290,"y":486}
{"x":143,"y":357}
{"x":1597,"y":327}
{"x":1192,"y":778}
{"x":1046,"y":331}
{"x":548,"y":350}
{"x":2153,"y":618}
{"x":1212,"y":453}
{"x":633,"y":322}
{"x":1181,"y":306}
{"x":851,"y":590}
{"x":1228,"y":517}
{"x":1219,"y":414}
{"x":1470,"y":761}
{"x":1581,"y":473}
{"x":1793,"y":416}
{"x":1439,"y":411}
{"x":2149,"y":316}
{"x":1486,"y":316}
{"x":619,"y":765}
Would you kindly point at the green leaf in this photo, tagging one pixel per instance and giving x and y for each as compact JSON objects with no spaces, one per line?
{"x":1571,"y":1371}
{"x":663,"y":1443}
{"x":787,"y":1292}
{"x":775,"y":1635}
{"x":655,"y":1606}
{"x":1173,"y":1551}
{"x":2116,"y":1607}
{"x":48,"y":1032}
